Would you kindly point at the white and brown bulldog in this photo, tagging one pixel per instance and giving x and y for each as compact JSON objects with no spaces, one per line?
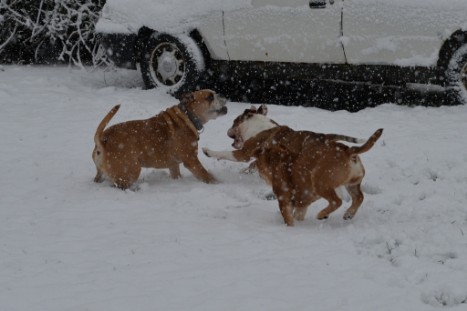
{"x":163,"y":141}
{"x":301,"y":166}
{"x":254,"y":121}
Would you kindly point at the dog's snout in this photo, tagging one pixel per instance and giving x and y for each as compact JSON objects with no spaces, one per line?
{"x":231,"y":133}
{"x":223,"y":110}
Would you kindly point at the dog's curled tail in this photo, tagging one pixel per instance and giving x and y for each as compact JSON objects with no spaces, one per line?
{"x":349,"y":139}
{"x":369,"y":143}
{"x":103,"y":124}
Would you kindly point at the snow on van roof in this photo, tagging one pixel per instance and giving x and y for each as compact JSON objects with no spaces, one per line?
{"x":164,"y":15}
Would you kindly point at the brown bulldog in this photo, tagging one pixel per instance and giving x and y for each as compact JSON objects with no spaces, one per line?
{"x":163,"y":141}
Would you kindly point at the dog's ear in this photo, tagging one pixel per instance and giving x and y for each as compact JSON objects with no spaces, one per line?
{"x":249,"y":111}
{"x":263,"y":110}
{"x":186,"y":98}
{"x":210,"y":97}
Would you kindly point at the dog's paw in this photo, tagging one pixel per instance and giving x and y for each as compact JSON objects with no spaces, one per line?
{"x":207,"y":152}
{"x":213,"y":181}
{"x":348,"y":215}
{"x":322,"y":216}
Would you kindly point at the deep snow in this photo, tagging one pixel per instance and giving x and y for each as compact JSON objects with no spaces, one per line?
{"x":69,"y":244}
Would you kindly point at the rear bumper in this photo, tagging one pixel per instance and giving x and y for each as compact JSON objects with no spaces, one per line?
{"x":120,"y":48}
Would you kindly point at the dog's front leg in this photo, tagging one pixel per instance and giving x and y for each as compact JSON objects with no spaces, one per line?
{"x":250,"y":169}
{"x":219,"y":155}
{"x":197,"y":169}
{"x":282,"y":192}
{"x":235,"y":156}
{"x":286,"y":210}
{"x":300,"y":212}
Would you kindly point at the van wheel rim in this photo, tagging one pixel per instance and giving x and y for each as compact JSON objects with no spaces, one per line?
{"x":167,"y":64}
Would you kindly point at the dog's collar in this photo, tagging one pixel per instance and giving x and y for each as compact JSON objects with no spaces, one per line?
{"x":194,"y":119}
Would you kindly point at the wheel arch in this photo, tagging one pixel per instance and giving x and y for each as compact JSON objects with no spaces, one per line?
{"x":143,"y":36}
{"x":144,"y":33}
{"x":198,"y":38}
{"x":450,"y":46}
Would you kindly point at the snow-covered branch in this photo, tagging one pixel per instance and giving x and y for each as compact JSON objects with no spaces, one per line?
{"x":51,"y":30}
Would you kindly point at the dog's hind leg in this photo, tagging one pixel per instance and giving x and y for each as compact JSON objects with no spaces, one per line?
{"x":99,"y":177}
{"x":357,"y":199}
{"x":334,"y":202}
{"x":175,"y":171}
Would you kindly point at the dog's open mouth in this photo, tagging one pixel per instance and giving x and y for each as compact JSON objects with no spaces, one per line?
{"x":238,"y":143}
{"x":222,"y":111}
{"x":238,"y":140}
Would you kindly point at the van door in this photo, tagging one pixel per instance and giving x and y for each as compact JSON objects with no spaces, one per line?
{"x":301,"y":31}
{"x":399,"y":32}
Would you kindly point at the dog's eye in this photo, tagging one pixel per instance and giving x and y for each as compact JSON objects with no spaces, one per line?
{"x":210,"y":97}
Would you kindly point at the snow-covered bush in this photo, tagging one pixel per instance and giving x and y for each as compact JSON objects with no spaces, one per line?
{"x":46,"y":31}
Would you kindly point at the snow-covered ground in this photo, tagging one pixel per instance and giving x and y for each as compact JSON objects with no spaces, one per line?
{"x":67,"y":243}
